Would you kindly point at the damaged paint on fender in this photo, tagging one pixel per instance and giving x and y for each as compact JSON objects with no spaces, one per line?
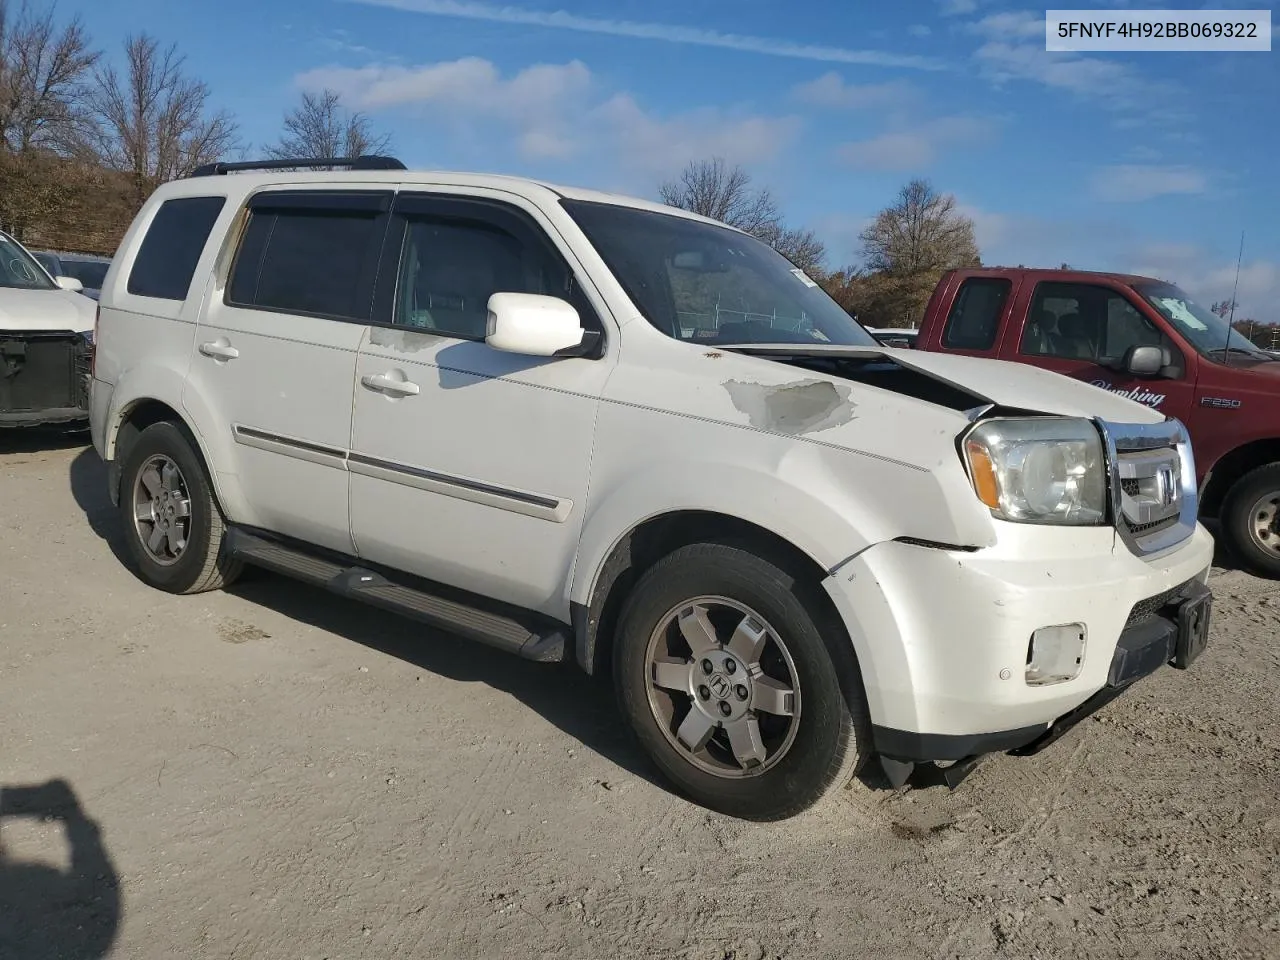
{"x":806,"y":406}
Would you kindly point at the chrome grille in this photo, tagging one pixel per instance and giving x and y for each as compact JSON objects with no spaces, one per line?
{"x":1153,"y":484}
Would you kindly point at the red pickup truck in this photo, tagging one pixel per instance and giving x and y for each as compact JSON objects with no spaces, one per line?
{"x":1145,"y":339}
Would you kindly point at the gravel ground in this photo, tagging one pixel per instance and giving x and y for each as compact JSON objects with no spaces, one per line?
{"x":273,"y":772}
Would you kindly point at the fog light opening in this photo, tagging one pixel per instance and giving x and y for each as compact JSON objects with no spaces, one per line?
{"x":1056,"y":654}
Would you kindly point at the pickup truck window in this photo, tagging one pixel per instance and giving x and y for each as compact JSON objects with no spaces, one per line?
{"x":1204,"y":329}
{"x":1081,"y":321}
{"x":975,"y":316}
{"x":709,"y":284}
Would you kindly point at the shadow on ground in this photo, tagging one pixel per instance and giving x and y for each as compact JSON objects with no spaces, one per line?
{"x":47,"y":913}
{"x":580,"y":706}
{"x":20,"y":440}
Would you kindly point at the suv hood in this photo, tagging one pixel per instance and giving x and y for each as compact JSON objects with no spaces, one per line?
{"x":1000,"y":382}
{"x":45,"y":310}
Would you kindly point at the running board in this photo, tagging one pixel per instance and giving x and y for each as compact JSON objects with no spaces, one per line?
{"x":525,"y":635}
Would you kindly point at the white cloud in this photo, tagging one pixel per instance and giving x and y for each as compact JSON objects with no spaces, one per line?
{"x":1011,"y":24}
{"x":1134,"y":182}
{"x":1112,"y":84}
{"x":469,"y":84}
{"x":557,"y":112}
{"x":661,"y":145}
{"x":914,"y":148}
{"x":671,"y":33}
{"x":1208,"y":280}
{"x":830,"y":90}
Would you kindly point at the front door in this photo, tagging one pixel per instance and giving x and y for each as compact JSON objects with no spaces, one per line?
{"x":470,"y":466}
{"x":1084,"y":330}
{"x":276,"y":354}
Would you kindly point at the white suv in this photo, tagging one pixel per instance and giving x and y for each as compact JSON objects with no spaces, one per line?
{"x":585,"y":427}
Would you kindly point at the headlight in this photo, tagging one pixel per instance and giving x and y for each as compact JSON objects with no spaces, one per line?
{"x":1049,"y":470}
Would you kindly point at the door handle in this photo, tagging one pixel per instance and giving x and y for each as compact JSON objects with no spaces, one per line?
{"x":388,"y":384}
{"x":219,"y":350}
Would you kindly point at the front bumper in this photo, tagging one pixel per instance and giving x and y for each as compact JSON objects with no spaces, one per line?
{"x":942,"y":635}
{"x":44,"y":378}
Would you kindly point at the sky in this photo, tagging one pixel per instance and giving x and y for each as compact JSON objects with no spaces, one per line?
{"x":1139,"y":162}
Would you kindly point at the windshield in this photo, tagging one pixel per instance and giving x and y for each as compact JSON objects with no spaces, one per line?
{"x":91,"y":273}
{"x":19,"y":270}
{"x":711,"y":285}
{"x":1209,"y":333}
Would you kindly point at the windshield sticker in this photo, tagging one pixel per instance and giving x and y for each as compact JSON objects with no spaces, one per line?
{"x":804,"y":277}
{"x":1180,"y":312}
{"x":1134,"y":393}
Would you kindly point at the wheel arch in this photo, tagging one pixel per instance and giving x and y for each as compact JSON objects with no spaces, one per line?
{"x":1233,"y":465}
{"x":595,"y":612}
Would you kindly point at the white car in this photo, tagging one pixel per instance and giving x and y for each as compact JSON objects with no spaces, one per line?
{"x":499,"y":406}
{"x":46,"y":329}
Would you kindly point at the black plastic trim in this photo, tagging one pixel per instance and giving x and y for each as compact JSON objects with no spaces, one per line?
{"x":478,"y":486}
{"x":289,"y":442}
{"x":922,"y":747}
{"x":366,"y":162}
{"x":326,"y":201}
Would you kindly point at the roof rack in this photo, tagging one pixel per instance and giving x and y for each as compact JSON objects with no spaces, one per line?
{"x":368,"y":162}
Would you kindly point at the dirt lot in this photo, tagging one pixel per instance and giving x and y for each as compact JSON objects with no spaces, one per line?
{"x":277,"y":773}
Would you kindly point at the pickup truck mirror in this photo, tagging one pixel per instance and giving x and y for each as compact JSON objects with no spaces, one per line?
{"x":533,"y":325}
{"x":1144,"y":361}
{"x":69,"y":283}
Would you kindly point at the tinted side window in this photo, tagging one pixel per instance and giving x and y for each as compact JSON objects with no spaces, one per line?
{"x":1082,"y":321}
{"x":308,"y":259}
{"x":449,"y":267}
{"x":974,"y":320}
{"x":167,"y":258}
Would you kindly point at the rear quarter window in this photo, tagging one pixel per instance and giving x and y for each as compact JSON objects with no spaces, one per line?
{"x":167,"y":258}
{"x":974,"y":320}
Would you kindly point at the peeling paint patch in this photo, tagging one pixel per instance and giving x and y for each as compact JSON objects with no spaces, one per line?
{"x":805,"y":406}
{"x":405,"y":341}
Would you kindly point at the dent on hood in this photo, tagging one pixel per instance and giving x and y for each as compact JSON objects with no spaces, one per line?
{"x":806,"y":406}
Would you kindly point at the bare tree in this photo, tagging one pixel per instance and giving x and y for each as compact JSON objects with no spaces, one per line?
{"x":153,"y":122}
{"x":43,"y":74}
{"x":801,"y":247}
{"x":321,"y":127}
{"x":912,"y":243}
{"x":920,"y":231}
{"x":712,"y":189}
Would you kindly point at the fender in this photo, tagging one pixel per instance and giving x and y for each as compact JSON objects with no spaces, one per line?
{"x":822,"y":521}
{"x":166,"y":384}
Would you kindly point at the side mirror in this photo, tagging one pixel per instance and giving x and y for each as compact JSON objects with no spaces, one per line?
{"x":1144,"y":361}
{"x":533,"y":325}
{"x":69,"y":283}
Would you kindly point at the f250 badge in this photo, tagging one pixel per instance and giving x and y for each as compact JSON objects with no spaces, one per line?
{"x":1133,"y":393}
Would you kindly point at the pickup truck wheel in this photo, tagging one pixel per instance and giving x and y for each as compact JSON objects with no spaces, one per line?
{"x":724,"y":675}
{"x":1251,"y":520}
{"x":173,"y":526}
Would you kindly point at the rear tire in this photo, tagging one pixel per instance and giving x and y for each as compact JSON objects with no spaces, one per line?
{"x":1251,"y":520}
{"x":724,"y":736}
{"x":174,"y":529}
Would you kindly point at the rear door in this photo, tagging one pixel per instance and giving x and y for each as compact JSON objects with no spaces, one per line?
{"x":276,"y":352}
{"x":1084,"y":330}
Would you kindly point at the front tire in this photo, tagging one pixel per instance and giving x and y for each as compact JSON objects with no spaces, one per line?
{"x":173,"y":527}
{"x":1251,"y":520}
{"x":739,"y":684}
